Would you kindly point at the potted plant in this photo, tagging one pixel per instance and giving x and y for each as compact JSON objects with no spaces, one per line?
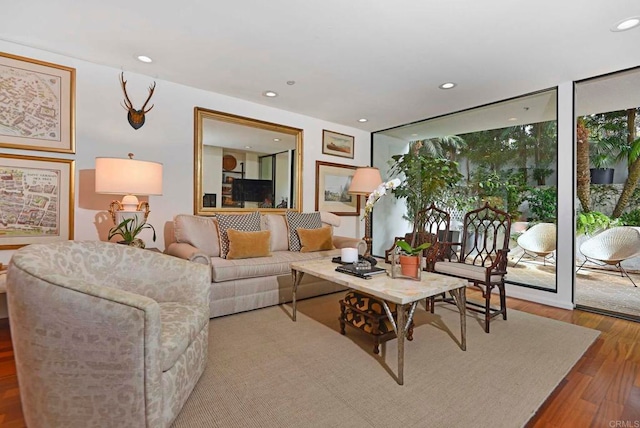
{"x":411,"y":257}
{"x":129,"y":229}
{"x":423,"y":177}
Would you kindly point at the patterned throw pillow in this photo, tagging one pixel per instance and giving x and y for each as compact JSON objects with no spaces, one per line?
{"x":296,"y":221}
{"x":243,"y":222}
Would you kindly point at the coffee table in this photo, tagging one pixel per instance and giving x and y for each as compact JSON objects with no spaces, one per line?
{"x":403,"y":292}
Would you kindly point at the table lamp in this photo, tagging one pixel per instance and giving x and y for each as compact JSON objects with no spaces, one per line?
{"x":365,"y":181}
{"x":128,"y":177}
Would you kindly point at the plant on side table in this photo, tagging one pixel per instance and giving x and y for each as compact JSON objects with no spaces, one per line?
{"x":129,"y":229}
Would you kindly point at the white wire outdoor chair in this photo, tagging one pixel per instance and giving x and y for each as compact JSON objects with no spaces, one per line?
{"x":538,"y":241}
{"x":611,"y":247}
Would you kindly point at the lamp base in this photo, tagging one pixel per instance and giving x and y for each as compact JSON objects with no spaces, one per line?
{"x":117,"y":207}
{"x":367,"y":234}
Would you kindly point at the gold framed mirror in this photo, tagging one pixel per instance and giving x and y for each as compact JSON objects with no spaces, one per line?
{"x":243,"y":164}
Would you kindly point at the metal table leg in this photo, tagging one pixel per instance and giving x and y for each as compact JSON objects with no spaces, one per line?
{"x":460,"y":297}
{"x":400,"y":333}
{"x":400,"y":328}
{"x":296,"y":277}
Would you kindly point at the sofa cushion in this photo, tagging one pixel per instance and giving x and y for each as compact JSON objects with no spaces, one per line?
{"x":243,"y":222}
{"x":200,"y":232}
{"x":246,"y":245}
{"x":278,"y":264}
{"x":277,"y":224}
{"x":315,"y":239}
{"x":180,"y":324}
{"x":301,"y":220}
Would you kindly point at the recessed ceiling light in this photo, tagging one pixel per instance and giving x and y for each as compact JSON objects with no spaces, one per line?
{"x":144,"y":58}
{"x":513,"y":118}
{"x":291,"y":82}
{"x":270,"y":94}
{"x":626,"y":24}
{"x":276,"y":139}
{"x":447,"y":85}
{"x":414,"y":135}
{"x":363,"y":120}
{"x":247,"y":147}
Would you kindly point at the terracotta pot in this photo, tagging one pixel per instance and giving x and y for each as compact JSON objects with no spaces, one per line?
{"x":409,"y":265}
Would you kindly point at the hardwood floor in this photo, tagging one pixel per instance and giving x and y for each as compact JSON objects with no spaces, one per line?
{"x":602,"y":390}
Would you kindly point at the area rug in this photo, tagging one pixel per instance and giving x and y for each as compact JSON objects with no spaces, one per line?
{"x":265,"y":370}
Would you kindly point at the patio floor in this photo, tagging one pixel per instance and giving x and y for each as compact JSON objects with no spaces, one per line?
{"x":595,"y":288}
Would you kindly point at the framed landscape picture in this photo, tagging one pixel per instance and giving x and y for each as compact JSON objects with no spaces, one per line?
{"x":332,"y":185}
{"x":337,"y":144}
{"x":37,"y":105}
{"x":36,"y":200}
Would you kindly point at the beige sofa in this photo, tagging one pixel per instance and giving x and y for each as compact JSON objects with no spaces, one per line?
{"x":246,"y":284}
{"x":105,"y":334}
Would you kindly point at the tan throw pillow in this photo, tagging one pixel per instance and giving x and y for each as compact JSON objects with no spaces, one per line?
{"x":244,"y":222}
{"x":315,"y":239}
{"x":245,"y":245}
{"x":297,"y":220}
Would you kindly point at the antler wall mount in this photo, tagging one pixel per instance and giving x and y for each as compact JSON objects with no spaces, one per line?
{"x":135,"y":117}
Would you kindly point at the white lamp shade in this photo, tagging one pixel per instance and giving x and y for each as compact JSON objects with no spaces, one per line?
{"x":119,"y":176}
{"x":365,"y":181}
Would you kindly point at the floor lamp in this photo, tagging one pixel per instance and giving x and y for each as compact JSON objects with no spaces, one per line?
{"x":365,"y":181}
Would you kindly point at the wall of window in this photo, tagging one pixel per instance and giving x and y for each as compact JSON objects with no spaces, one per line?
{"x":506,"y":154}
{"x":607,"y":110}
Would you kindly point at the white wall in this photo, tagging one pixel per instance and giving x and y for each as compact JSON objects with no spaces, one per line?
{"x":167,"y":136}
{"x":388,"y":211}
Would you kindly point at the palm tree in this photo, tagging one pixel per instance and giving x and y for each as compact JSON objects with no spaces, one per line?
{"x":582,"y":166}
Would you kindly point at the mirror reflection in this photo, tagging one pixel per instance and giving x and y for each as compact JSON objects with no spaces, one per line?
{"x":244,"y":164}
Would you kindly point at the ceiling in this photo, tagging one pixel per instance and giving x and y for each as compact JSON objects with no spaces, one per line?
{"x":381,"y":60}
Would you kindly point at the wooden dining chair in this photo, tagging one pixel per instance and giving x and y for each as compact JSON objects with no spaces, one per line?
{"x":481,"y":258}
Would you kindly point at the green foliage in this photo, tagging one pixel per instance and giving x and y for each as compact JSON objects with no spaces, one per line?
{"x":424,"y":178}
{"x":543,"y":204}
{"x":504,"y":189}
{"x":129,"y":228}
{"x":609,"y":139}
{"x":588,"y":223}
{"x":411,"y":251}
{"x":631,"y":218}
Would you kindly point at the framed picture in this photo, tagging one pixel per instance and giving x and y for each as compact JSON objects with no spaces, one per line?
{"x":337,"y":144}
{"x":209,"y":200}
{"x":36,"y":200}
{"x":332,"y":183}
{"x":37,"y":105}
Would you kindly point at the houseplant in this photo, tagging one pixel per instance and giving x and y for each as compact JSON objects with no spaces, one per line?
{"x":423,"y":178}
{"x":129,"y":229}
{"x":411,"y":257}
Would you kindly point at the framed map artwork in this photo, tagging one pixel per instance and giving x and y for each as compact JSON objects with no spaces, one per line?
{"x":332,"y":186}
{"x":36,"y":200}
{"x":37,"y":105}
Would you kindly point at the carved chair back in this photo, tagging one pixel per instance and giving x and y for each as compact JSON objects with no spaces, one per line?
{"x":485,"y":237}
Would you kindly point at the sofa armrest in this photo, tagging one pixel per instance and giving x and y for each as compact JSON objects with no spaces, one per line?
{"x":187,"y":252}
{"x":346,"y":242}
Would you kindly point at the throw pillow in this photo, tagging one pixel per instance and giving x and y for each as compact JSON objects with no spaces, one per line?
{"x":246,"y":245}
{"x":243,"y":222}
{"x":300,"y":220}
{"x":315,"y":239}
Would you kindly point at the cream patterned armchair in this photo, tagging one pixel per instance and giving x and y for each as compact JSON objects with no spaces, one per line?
{"x":106,"y":335}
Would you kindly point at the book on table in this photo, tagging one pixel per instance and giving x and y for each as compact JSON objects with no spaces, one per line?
{"x":362,"y":273}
